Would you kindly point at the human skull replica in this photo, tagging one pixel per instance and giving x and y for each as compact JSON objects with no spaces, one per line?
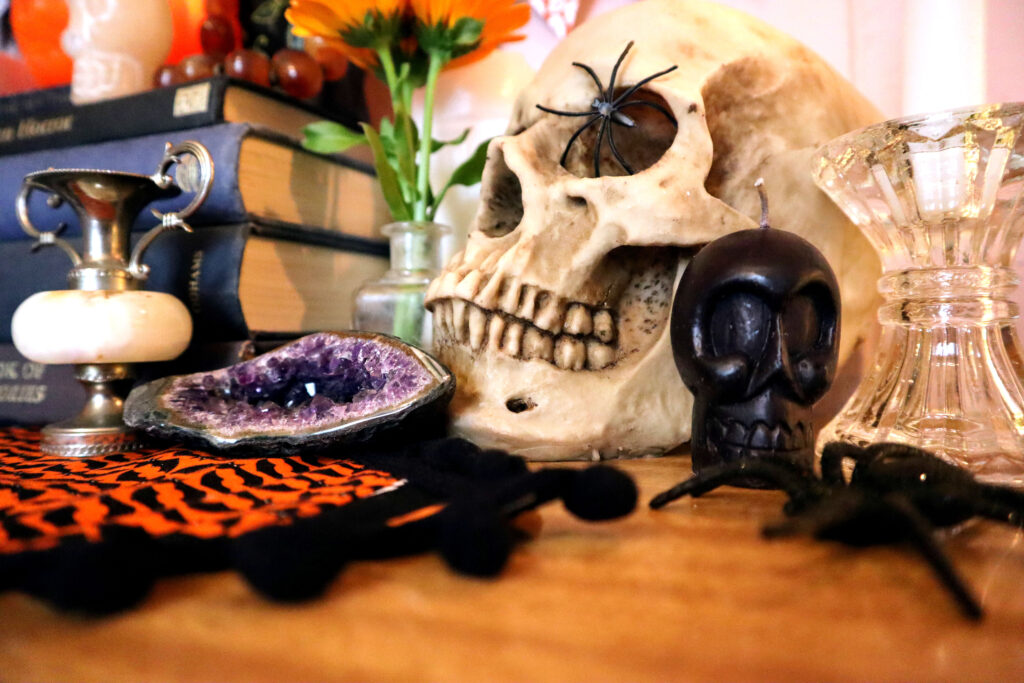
{"x":554,"y":317}
{"x":116,"y":45}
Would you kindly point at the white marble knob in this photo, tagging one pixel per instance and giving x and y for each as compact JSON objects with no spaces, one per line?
{"x":80,"y":326}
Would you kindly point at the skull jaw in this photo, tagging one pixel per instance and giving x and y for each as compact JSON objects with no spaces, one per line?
{"x":637,"y":407}
{"x":764,"y":426}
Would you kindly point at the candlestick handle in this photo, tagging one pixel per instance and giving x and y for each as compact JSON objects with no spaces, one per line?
{"x":44,"y":238}
{"x":194,"y":174}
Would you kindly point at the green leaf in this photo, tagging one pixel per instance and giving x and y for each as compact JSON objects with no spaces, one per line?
{"x":472,"y":169}
{"x":328,"y":137}
{"x":466,"y":31}
{"x":438,"y":144}
{"x":386,"y":176}
{"x":468,"y":173}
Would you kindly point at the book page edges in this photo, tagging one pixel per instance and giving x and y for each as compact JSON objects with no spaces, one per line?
{"x":292,"y":287}
{"x":284,"y":183}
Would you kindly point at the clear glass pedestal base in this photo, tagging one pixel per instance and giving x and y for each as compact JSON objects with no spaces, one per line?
{"x":941,"y":198}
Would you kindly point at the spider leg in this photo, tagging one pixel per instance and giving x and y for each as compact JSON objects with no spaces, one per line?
{"x":568,"y":146}
{"x":844,"y":516}
{"x":780,"y":473}
{"x":615,"y":72}
{"x":652,"y":105}
{"x":600,"y":86}
{"x":832,"y":458}
{"x":920,"y":534}
{"x":563,"y":113}
{"x":643,"y":82}
{"x":597,"y":148}
{"x":615,"y":153}
{"x":1000,"y":503}
{"x":839,"y":508}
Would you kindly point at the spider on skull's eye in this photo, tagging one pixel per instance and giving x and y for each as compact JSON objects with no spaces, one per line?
{"x":607,"y":108}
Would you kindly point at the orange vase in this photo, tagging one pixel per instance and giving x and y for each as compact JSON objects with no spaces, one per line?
{"x":37,"y":25}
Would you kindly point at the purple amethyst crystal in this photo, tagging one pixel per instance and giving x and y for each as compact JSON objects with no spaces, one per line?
{"x":323,"y":388}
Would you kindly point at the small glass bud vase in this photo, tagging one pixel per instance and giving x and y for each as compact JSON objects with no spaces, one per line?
{"x":393,"y":304}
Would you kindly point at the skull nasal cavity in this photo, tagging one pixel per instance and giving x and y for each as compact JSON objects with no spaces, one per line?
{"x":501,"y":198}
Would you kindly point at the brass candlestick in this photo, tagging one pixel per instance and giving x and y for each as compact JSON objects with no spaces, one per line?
{"x":105,"y":323}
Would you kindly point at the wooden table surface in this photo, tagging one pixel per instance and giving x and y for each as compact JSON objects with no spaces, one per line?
{"x":690,"y":592}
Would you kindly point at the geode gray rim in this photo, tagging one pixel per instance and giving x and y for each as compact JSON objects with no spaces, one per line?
{"x":144,"y":411}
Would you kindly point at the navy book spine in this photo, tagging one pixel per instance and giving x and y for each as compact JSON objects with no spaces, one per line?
{"x":201,"y":268}
{"x":35,"y":394}
{"x":135,"y":155}
{"x":46,"y":119}
{"x":209,"y":292}
{"x":140,"y":155}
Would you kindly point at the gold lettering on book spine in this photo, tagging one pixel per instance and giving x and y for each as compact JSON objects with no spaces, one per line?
{"x":21,"y":371}
{"x":195,"y":269}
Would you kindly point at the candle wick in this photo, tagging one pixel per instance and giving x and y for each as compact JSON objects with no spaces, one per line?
{"x":759,"y":184}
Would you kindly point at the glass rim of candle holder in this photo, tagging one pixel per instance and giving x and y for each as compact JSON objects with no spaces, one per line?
{"x":940,"y":197}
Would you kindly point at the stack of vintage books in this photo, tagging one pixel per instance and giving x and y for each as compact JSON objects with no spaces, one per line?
{"x":280,"y":245}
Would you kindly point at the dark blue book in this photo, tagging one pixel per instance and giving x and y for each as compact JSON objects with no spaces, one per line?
{"x":258,"y":175}
{"x":35,"y":394}
{"x":238,"y":281}
{"x":46,"y":119}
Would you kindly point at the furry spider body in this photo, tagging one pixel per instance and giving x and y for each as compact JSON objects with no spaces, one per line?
{"x":607,"y":108}
{"x":896,"y":493}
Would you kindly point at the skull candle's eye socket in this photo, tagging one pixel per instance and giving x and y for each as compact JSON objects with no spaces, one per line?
{"x":800,"y":325}
{"x":740,"y":323}
{"x":805,"y":317}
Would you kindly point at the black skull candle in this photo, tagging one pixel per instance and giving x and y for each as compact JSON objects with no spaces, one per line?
{"x":755,"y":332}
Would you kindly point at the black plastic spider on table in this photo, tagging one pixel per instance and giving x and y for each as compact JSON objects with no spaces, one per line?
{"x":896,"y":493}
{"x":607,"y":108}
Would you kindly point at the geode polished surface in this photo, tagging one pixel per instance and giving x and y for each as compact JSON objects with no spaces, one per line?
{"x":321,"y":389}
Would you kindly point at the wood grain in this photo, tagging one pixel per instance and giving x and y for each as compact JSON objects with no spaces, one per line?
{"x":687,"y":593}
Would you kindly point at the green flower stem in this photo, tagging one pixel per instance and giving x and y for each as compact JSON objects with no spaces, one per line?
{"x":423,"y":170}
{"x":401,"y":106}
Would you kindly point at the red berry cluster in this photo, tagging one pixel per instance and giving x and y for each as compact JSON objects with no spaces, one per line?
{"x":299,"y":73}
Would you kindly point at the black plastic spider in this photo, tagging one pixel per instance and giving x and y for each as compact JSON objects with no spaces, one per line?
{"x":896,"y":493}
{"x":607,"y":109}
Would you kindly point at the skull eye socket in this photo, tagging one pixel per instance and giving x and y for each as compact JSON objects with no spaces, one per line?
{"x":739,"y":323}
{"x":640,"y":146}
{"x":805,"y":320}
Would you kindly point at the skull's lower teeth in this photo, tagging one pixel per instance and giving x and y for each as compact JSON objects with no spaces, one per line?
{"x":760,"y":436}
{"x":583,"y":344}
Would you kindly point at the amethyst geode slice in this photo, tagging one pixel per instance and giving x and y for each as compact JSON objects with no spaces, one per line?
{"x":321,"y":389}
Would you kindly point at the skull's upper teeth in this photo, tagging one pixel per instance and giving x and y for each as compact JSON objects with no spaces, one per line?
{"x":578,"y":320}
{"x":523,"y":321}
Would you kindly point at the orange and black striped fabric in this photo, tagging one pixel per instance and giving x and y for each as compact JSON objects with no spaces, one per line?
{"x":44,"y":499}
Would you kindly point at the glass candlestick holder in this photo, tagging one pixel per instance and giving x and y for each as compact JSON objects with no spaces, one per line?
{"x":393,"y":304}
{"x":941,"y":198}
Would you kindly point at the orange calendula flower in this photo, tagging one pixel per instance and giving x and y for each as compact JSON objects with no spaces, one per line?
{"x":500,"y":19}
{"x":341,"y":21}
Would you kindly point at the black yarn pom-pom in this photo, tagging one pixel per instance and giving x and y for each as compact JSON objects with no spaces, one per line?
{"x":289,"y":563}
{"x":97,"y":578}
{"x":600,"y":493}
{"x":474,"y":540}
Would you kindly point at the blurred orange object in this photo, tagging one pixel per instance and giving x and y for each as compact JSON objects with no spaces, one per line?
{"x":187,"y":16}
{"x":37,"y":25}
{"x":14,"y":75}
